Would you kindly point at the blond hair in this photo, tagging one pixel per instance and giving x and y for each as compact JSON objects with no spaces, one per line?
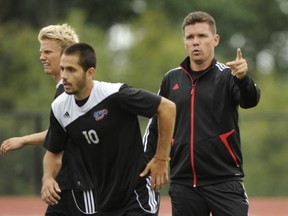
{"x":64,"y":34}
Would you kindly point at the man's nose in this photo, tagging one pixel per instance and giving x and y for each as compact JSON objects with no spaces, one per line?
{"x":42,"y":56}
{"x":63,"y":74}
{"x":195,"y":41}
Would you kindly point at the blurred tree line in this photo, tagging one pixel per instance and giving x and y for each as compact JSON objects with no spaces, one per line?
{"x":137,"y":42}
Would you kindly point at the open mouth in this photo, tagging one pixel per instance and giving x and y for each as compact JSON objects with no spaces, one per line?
{"x":196,"y":51}
{"x":66,"y":84}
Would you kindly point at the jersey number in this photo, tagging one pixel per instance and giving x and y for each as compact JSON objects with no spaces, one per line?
{"x":91,"y":136}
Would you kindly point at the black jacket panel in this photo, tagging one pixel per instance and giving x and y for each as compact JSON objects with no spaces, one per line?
{"x":206,"y":147}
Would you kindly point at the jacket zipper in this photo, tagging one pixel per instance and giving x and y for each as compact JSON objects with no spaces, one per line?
{"x":194,"y":82}
{"x":192,"y":132}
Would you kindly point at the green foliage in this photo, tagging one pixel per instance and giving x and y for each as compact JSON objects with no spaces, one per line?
{"x":264,"y":140}
{"x":21,"y":71}
{"x":156,"y":50}
{"x":21,"y":170}
{"x":101,"y":13}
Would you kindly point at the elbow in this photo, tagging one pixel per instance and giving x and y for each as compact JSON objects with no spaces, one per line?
{"x":250,"y":104}
{"x":251,"y":101}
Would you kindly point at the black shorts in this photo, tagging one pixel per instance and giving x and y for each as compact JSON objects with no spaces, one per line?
{"x":74,"y":203}
{"x":223,"y":199}
{"x":142,"y":202}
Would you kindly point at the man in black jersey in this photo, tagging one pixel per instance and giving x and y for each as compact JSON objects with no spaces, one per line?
{"x":77,"y":198}
{"x":102,"y":120}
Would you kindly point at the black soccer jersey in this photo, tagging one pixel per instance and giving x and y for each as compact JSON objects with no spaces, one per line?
{"x":107,"y":131}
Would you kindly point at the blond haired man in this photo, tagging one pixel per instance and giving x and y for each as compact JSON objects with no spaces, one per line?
{"x":73,"y":178}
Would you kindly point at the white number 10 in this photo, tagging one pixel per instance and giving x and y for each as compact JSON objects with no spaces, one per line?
{"x":91,"y":136}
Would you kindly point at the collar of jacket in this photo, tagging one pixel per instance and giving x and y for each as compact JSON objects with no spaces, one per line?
{"x":185,"y":65}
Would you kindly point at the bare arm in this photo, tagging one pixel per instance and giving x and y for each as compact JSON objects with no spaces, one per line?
{"x":14,"y":143}
{"x":51,"y":166}
{"x":158,"y":166}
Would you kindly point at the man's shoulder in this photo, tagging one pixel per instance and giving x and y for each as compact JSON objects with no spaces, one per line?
{"x":221,"y":66}
{"x":61,"y":99}
{"x":102,"y":89}
{"x":174,"y":70}
{"x":107,"y":85}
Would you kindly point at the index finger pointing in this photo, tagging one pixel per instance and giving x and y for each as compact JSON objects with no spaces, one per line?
{"x":239,"y":54}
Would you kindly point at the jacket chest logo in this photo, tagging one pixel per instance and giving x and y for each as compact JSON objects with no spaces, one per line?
{"x":175,"y":87}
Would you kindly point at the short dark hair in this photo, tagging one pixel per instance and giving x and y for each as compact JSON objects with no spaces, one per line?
{"x":87,"y":55}
{"x":199,"y":17}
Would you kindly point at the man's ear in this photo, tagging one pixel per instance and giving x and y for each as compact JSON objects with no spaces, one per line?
{"x":91,"y":73}
{"x":216,"y":40}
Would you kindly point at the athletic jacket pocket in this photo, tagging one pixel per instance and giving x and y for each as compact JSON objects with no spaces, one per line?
{"x":224,"y":139}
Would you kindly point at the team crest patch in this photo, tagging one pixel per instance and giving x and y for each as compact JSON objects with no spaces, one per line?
{"x":100,"y":114}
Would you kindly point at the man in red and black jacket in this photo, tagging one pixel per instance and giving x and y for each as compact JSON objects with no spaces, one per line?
{"x":206,"y":159}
